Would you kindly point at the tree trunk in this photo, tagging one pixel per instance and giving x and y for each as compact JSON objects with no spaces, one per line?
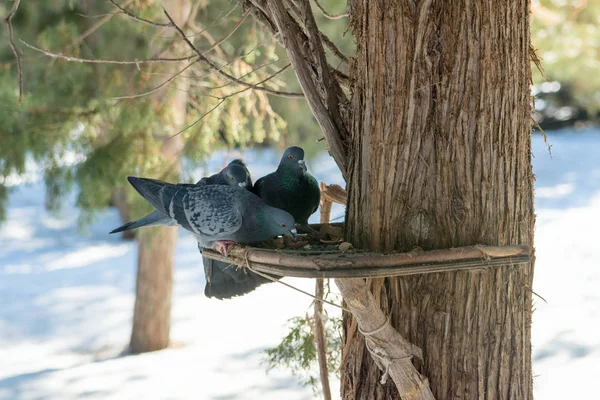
{"x":440,"y":145}
{"x":152,"y":312}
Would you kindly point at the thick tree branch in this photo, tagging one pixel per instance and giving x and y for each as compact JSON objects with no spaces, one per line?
{"x":323,"y":92}
{"x":391,"y":352}
{"x":11,"y":40}
{"x":213,"y":66}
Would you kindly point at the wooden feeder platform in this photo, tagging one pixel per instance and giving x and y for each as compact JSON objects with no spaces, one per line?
{"x":327,"y":261}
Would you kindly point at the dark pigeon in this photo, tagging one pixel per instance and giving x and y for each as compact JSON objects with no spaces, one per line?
{"x":291,"y":187}
{"x":216,"y":214}
{"x":235,"y":173}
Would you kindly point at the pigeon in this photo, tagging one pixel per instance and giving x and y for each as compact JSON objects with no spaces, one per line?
{"x":235,"y":173}
{"x":216,"y":215}
{"x":225,"y":280}
{"x":291,"y":187}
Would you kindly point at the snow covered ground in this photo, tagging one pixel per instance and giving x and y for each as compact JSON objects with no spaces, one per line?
{"x":66,"y":299}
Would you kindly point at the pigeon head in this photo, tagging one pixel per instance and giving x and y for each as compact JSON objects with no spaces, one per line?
{"x":293,"y":158}
{"x":235,"y":174}
{"x":280,"y":223}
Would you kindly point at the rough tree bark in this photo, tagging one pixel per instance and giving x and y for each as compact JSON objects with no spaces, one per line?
{"x":152,"y":312}
{"x":440,"y":157}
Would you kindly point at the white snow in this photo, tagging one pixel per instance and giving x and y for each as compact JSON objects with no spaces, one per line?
{"x":66,"y":298}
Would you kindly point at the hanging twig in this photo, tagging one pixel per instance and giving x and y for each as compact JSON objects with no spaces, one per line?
{"x":213,"y":66}
{"x":328,"y":15}
{"x":11,"y":40}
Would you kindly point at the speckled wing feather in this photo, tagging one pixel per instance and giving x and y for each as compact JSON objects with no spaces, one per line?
{"x":208,"y":210}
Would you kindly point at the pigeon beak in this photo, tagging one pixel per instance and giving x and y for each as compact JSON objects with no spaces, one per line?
{"x":294,"y":232}
{"x":242,"y":184}
{"x":302,"y":164}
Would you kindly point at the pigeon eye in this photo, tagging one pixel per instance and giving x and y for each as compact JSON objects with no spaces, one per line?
{"x":290,"y":157}
{"x":283,"y":225}
{"x":231,"y":177}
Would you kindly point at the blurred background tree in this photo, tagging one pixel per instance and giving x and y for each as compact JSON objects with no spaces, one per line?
{"x":91,"y":124}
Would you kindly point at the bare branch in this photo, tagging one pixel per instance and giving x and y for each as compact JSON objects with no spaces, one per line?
{"x":334,"y":49}
{"x":98,"y":24}
{"x":328,"y":15}
{"x":11,"y":40}
{"x":213,"y":66}
{"x":229,"y":83}
{"x":171,"y":79}
{"x":103,"y":61}
{"x":259,"y":83}
{"x":228,"y":35}
{"x":192,"y":24}
{"x":140,"y":19}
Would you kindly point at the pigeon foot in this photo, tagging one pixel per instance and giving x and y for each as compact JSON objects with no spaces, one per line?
{"x":222,"y":245}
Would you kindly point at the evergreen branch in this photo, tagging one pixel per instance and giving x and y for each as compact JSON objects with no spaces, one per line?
{"x":104,"y":61}
{"x":140,"y":19}
{"x":171,"y":79}
{"x":11,"y":40}
{"x":213,"y":66}
{"x":328,"y":15}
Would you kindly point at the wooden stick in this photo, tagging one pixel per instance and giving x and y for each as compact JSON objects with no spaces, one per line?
{"x":325,"y":208}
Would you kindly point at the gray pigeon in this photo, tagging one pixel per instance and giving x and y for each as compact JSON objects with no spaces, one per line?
{"x":235,"y":173}
{"x":216,"y":214}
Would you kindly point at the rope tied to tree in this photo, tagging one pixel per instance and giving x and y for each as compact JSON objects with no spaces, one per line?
{"x":376,"y":331}
{"x":383,"y":359}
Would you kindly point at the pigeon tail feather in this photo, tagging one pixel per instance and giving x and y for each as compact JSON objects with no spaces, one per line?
{"x":155,"y":218}
{"x":157,"y":193}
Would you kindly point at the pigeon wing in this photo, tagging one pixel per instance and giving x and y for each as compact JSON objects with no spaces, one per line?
{"x":208,"y":211}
